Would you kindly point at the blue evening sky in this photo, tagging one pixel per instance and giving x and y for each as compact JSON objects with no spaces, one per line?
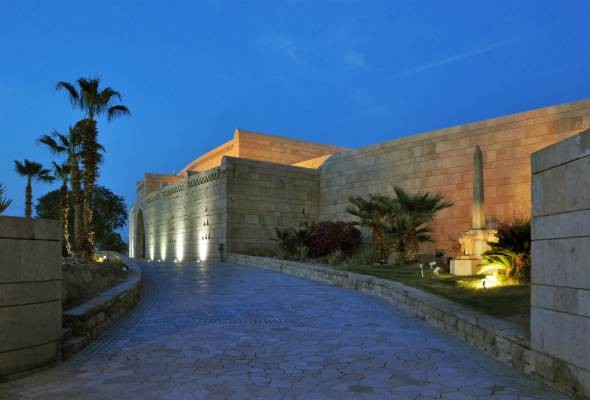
{"x":349,"y":73}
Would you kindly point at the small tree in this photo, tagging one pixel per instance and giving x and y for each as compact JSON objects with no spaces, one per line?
{"x":4,"y":202}
{"x":407,"y":218}
{"x":32,"y":171}
{"x":70,"y":146}
{"x":371,"y":214}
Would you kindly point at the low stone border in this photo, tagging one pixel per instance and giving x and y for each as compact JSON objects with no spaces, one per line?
{"x":498,"y":338}
{"x":94,"y":316}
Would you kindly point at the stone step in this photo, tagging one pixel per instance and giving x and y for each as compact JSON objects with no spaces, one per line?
{"x":72,"y":345}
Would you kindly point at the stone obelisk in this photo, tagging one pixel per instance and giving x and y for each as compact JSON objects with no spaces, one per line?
{"x":475,"y":241}
{"x":478,"y":220}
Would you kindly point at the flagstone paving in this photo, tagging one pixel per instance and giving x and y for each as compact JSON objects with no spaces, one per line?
{"x":220,"y":331}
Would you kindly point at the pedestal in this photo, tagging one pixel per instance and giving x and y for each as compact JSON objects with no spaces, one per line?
{"x":474,"y":243}
{"x":465,"y":265}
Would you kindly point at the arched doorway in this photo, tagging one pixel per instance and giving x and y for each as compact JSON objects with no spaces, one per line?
{"x":139,"y":236}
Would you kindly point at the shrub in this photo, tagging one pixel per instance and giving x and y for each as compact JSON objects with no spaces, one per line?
{"x":327,"y":236}
{"x":291,"y":239}
{"x":365,"y":257}
{"x":336,"y":257}
{"x":510,"y":257}
{"x":515,"y":235}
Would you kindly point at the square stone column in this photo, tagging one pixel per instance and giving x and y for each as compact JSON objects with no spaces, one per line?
{"x":560,"y":302}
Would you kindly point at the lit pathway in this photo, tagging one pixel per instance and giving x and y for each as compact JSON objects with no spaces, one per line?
{"x":222,"y":331}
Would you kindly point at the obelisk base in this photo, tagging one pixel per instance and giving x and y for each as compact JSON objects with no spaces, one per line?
{"x":474,"y":243}
{"x":465,"y":265}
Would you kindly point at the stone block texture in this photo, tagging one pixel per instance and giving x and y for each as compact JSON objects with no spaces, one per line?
{"x":277,"y":179}
{"x":30,"y":294}
{"x":441,"y":161}
{"x":560,"y":313}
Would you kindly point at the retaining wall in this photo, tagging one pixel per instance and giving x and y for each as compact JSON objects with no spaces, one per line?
{"x":30,"y":294}
{"x":96,"y":315}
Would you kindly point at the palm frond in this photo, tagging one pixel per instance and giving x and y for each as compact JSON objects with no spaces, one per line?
{"x":72,"y":92}
{"x":117,"y":111}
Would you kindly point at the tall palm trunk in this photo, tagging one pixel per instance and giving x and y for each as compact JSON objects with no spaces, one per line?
{"x":90,"y":161}
{"x":379,"y":247}
{"x":412,"y":247}
{"x":29,"y":198}
{"x":78,"y":206}
{"x":65,"y":214}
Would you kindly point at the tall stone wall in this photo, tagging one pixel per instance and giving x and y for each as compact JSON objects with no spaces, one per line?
{"x":184,"y":220}
{"x":30,"y":294}
{"x":262,"y":196}
{"x":441,"y":161}
{"x":560,"y":301}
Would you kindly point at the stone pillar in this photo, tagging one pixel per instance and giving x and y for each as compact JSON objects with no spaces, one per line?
{"x":30,"y":294}
{"x":560,"y":296}
{"x":474,"y":242}
{"x":478,"y":210}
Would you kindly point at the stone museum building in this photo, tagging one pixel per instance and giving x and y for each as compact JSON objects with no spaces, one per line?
{"x":231,"y":198}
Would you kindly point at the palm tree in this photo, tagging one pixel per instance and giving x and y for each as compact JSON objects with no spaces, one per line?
{"x":86,"y":95}
{"x":70,"y":145}
{"x":407,"y":217}
{"x":371,"y":213}
{"x":32,"y":171}
{"x":62,"y":172}
{"x":4,"y":202}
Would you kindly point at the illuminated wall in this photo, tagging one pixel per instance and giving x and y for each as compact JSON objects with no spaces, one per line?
{"x":240,"y":201}
{"x":185,"y":220}
{"x":441,"y":161}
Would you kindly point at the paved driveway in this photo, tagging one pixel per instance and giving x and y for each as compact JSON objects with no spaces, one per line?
{"x":215,"y":331}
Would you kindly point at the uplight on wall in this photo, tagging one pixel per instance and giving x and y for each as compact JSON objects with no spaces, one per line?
{"x":203,"y":249}
{"x":179,"y":248}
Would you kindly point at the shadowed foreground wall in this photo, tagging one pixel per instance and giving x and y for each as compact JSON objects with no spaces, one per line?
{"x":560,"y":301}
{"x":30,"y":294}
{"x":441,"y":161}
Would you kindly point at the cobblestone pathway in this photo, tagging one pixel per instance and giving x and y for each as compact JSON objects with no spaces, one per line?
{"x":216,"y":331}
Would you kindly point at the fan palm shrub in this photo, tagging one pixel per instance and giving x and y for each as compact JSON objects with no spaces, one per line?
{"x":32,"y":171}
{"x":87,"y":95}
{"x":4,"y":202}
{"x":407,"y":218}
{"x":371,"y":213}
{"x":510,"y":257}
{"x":70,"y":146}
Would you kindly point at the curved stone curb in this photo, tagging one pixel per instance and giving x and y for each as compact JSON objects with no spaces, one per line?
{"x":94,"y":316}
{"x":498,"y":338}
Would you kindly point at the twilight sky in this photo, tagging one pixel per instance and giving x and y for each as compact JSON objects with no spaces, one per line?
{"x":343,"y":72}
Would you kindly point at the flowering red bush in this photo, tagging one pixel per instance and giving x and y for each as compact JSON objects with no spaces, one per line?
{"x":327,"y":236}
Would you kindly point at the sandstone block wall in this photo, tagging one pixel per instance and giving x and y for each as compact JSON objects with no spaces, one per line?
{"x":184,"y":220}
{"x":441,"y":161}
{"x":560,"y":301}
{"x":30,"y":294}
{"x":262,"y":196}
{"x":280,"y":150}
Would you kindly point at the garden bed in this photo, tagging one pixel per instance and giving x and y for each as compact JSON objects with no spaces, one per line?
{"x":510,"y":303}
{"x":82,"y":280}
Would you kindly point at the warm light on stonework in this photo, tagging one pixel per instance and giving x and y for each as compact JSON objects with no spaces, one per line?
{"x":179,"y":248}
{"x":203,"y":249}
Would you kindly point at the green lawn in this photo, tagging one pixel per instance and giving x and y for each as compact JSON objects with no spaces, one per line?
{"x":507,"y":302}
